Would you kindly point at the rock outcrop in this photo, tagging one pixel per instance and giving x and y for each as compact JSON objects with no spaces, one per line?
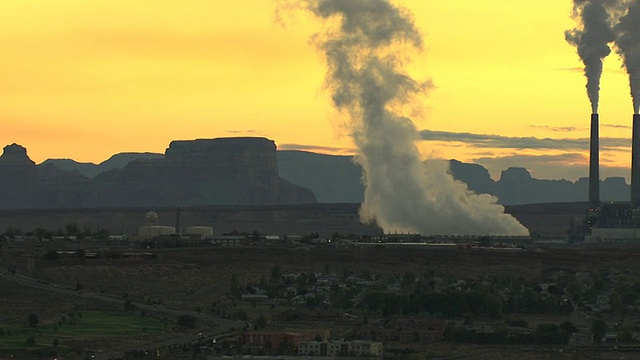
{"x":475,"y":176}
{"x":90,"y":170}
{"x":15,"y":165}
{"x":18,"y":177}
{"x":243,"y":171}
{"x":334,"y":179}
{"x":237,"y":171}
{"x":517,"y":186}
{"x":230,"y":171}
{"x":338,"y":179}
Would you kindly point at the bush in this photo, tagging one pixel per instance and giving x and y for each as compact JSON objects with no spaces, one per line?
{"x":33,"y":320}
{"x":517,"y":323}
{"x":186,"y":320}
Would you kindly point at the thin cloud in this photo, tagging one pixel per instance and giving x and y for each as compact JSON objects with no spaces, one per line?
{"x":614,"y":126}
{"x":581,"y":70}
{"x":560,"y":159}
{"x":571,"y":69}
{"x":557,"y":128}
{"x":520,"y":143}
{"x":326,"y":149}
{"x":237,"y":132}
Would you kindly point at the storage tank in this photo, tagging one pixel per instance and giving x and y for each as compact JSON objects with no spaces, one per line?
{"x":151,"y":231}
{"x":200,"y":231}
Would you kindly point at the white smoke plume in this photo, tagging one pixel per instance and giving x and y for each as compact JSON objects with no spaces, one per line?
{"x":366,"y":43}
{"x":592,"y":41}
{"x":628,"y":46}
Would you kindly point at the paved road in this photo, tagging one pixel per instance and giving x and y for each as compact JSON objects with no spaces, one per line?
{"x":225,"y":326}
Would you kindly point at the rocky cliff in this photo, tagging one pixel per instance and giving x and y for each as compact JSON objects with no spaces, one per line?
{"x":333,"y":179}
{"x":338,"y":179}
{"x":230,"y":171}
{"x":90,"y":170}
{"x":18,"y":176}
{"x":238,"y":171}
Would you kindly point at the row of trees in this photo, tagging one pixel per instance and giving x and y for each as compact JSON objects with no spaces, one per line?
{"x":544,"y":334}
{"x":453,"y":303}
{"x":70,"y":230}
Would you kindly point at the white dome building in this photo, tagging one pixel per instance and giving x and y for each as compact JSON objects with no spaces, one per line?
{"x":152,"y":229}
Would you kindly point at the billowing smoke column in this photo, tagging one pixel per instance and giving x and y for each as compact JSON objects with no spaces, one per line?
{"x":592,"y":41}
{"x":365,"y":53}
{"x":628,"y":46}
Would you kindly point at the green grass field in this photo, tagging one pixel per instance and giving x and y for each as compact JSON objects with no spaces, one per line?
{"x":81,"y":326}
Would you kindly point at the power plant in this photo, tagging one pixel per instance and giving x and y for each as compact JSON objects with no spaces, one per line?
{"x":604,"y":26}
{"x":613,"y":222}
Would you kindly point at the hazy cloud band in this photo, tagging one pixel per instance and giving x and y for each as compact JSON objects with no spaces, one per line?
{"x":505,"y":142}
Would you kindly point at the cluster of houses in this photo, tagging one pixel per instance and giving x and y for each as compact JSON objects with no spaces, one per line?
{"x":358,"y":348}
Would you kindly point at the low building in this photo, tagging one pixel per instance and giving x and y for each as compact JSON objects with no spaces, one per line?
{"x":259,"y":298}
{"x":404,"y":330}
{"x":274,"y":340}
{"x":228,"y":240}
{"x":357,"y":348}
{"x":321,"y":315}
{"x":613,"y":235}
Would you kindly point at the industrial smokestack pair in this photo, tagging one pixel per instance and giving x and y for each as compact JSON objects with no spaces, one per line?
{"x":594,"y":169}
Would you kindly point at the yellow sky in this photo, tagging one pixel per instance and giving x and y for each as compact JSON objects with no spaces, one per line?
{"x":86,"y":79}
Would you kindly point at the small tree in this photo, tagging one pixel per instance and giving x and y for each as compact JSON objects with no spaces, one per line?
{"x":186,"y":320}
{"x":260,"y":323}
{"x":234,"y":286}
{"x":598,"y":329}
{"x":11,"y":232}
{"x":128,"y":306}
{"x":41,"y":233}
{"x":241,"y":315}
{"x":276,"y":273}
{"x":33,"y":320}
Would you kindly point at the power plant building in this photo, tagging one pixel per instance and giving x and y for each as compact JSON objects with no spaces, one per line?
{"x":151,"y":231}
{"x":615,"y":222}
{"x":613,"y":235}
{"x":200,"y":231}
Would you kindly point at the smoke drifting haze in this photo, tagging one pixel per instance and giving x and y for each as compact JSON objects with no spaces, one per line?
{"x":368,"y":83}
{"x":628,"y":46}
{"x":592,"y":41}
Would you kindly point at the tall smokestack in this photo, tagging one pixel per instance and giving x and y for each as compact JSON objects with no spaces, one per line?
{"x":594,"y":163}
{"x":635,"y":162}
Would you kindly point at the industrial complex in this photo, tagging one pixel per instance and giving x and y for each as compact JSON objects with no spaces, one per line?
{"x":613,"y":222}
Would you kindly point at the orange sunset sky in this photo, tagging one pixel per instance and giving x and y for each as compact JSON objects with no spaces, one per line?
{"x":86,"y":79}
